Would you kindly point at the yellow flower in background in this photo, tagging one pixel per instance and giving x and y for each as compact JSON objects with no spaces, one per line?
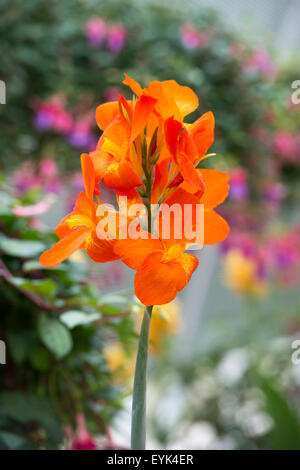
{"x":241,"y":274}
{"x":165,"y":322}
{"x":119,"y":361}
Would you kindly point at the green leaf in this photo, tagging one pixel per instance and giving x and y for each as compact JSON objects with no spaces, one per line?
{"x":40,"y":358}
{"x":19,"y":344}
{"x":113,"y":304}
{"x":43,"y":287}
{"x":25,"y":407}
{"x":34,"y":265}
{"x":74,"y":318}
{"x":55,"y":336}
{"x":21,"y":248}
{"x":285,"y":433}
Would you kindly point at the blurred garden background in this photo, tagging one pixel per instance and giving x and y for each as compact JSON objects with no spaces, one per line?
{"x":224,"y":370}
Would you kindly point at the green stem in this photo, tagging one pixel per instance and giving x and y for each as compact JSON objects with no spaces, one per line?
{"x":138,"y":420}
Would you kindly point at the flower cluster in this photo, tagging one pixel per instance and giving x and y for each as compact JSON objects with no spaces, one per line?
{"x":98,"y":31}
{"x":192,"y":38}
{"x":251,"y":265}
{"x":45,"y":177}
{"x":148,"y":155}
{"x":52,"y":115}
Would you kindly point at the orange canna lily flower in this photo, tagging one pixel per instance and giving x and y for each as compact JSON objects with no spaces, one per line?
{"x":78,"y":229}
{"x":148,"y":153}
{"x":117,"y":158}
{"x":163,"y":269}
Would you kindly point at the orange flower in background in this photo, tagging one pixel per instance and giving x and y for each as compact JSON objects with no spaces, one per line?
{"x":150,"y":155}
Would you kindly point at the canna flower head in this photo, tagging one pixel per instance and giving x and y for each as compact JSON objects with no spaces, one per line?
{"x":148,"y":154}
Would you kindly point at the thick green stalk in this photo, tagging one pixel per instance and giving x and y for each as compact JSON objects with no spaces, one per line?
{"x":138,"y":420}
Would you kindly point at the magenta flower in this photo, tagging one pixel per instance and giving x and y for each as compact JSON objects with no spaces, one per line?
{"x":51,"y":115}
{"x":239,"y":190}
{"x":274,"y":193}
{"x":81,"y":135}
{"x":83,"y":440}
{"x":261,"y":62}
{"x":96,"y":31}
{"x":286,"y":146}
{"x":116,"y":38}
{"x":192,"y":38}
{"x":111,"y":94}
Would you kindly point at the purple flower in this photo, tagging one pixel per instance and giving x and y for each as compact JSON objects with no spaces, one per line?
{"x":96,"y":31}
{"x":116,"y":38}
{"x":238,"y":185}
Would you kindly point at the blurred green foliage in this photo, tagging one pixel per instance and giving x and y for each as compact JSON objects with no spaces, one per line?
{"x":54,"y":324}
{"x":49,"y":53}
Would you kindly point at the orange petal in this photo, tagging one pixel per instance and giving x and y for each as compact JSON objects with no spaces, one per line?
{"x":202,"y":132}
{"x":88,"y":175}
{"x":121,"y":176}
{"x":101,"y":251}
{"x":64,"y":248}
{"x":189,"y":173}
{"x":216,"y":187}
{"x":101,"y":160}
{"x":166,"y":105}
{"x":172,"y":129}
{"x":216,"y":228}
{"x":189,"y":263}
{"x":105,"y":113}
{"x":157,"y":283}
{"x":179,"y":217}
{"x":82,"y":205}
{"x":142,"y":111}
{"x":185,"y":99}
{"x":134,"y":252}
{"x":63,"y":229}
{"x":135,"y":86}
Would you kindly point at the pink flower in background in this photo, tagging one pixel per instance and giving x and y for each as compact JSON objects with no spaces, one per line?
{"x":82,"y":440}
{"x":96,"y":31}
{"x":48,"y":168}
{"x":62,"y":122}
{"x":192,"y":38}
{"x":44,"y":177}
{"x":261,"y":62}
{"x":244,"y":241}
{"x":111,"y":94}
{"x":81,"y":135}
{"x":274,"y":193}
{"x":51,"y":115}
{"x":48,"y":175}
{"x":239,"y":190}
{"x":284,"y":257}
{"x":116,"y":38}
{"x":25,"y":178}
{"x":286,"y":146}
{"x":34,"y":210}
